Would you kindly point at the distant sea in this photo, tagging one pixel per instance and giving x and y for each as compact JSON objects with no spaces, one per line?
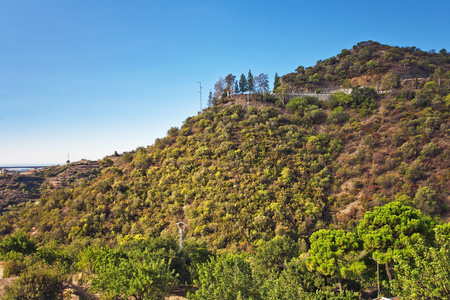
{"x":24,"y":167}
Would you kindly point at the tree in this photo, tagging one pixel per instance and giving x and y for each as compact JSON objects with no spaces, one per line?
{"x":331,"y":252}
{"x":250,"y":82}
{"x":315,"y":78}
{"x":271,"y":257}
{"x":423,"y":271}
{"x":225,"y":277}
{"x":219,"y":88}
{"x":276,"y":81}
{"x":389,"y":229}
{"x":300,"y":69}
{"x":230,"y":84}
{"x":243,"y":86}
{"x":438,"y":75}
{"x":137,"y":274}
{"x":390,"y":81}
{"x":210,"y":99}
{"x":262,"y":81}
{"x":425,"y":96}
{"x":281,"y":92}
{"x":364,"y":97}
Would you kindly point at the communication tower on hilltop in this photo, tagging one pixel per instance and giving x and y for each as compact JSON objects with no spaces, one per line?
{"x":200,"y":96}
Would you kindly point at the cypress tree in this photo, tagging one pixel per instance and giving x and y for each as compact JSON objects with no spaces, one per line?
{"x":243,"y":87}
{"x":250,"y":82}
{"x":276,"y":82}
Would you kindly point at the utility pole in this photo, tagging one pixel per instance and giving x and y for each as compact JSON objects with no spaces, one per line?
{"x":181,"y":227}
{"x":378,"y":279}
{"x":200,"y":95}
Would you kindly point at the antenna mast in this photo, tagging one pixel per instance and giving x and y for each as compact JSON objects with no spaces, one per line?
{"x":200,"y":95}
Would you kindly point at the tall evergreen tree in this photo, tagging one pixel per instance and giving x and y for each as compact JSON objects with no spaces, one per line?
{"x":250,"y":82}
{"x":243,"y":83}
{"x":210,"y":99}
{"x":276,"y":82}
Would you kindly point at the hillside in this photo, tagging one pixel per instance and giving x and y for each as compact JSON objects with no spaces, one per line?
{"x":23,"y":187}
{"x":373,"y":64}
{"x":239,"y":176}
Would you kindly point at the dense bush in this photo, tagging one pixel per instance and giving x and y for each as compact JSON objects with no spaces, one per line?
{"x":227,"y":277}
{"x":18,"y":242}
{"x":13,"y":268}
{"x":38,"y":283}
{"x":338,"y":116}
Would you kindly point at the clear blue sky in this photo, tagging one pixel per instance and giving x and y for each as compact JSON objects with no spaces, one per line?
{"x":93,"y":77}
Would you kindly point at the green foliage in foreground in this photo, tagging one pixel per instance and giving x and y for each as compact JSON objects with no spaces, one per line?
{"x":423,"y":271}
{"x":39,"y":282}
{"x":331,"y":254}
{"x":390,"y":228}
{"x":139,"y":275}
{"x":226,"y":277}
{"x":147,"y":268}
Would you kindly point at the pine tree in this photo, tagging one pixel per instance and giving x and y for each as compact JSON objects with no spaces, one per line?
{"x":210,"y":99}
{"x":243,"y":87}
{"x":276,"y":82}
{"x":250,"y":82}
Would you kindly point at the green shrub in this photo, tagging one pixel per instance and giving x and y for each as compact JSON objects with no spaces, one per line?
{"x":387,"y":181}
{"x":429,"y":150}
{"x":408,"y":94}
{"x":426,"y":200}
{"x":13,"y":268}
{"x":426,"y":95}
{"x":127,"y":157}
{"x":18,"y":242}
{"x":316,"y":116}
{"x":228,"y":276}
{"x":414,"y":172}
{"x":298,"y":103}
{"x":369,"y":141}
{"x":408,"y":150}
{"x":364,"y":97}
{"x":39,"y":283}
{"x":339,"y":99}
{"x":338,"y":116}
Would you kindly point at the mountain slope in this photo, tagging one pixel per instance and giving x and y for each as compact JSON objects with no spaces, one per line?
{"x":370,"y":63}
{"x":238,"y":175}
